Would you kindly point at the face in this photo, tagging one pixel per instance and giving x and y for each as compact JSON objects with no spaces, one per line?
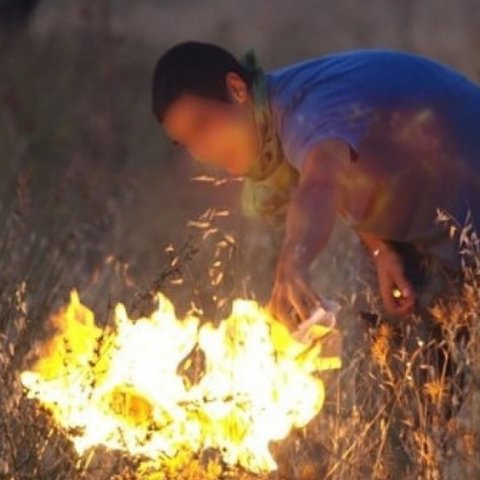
{"x":218,"y":133}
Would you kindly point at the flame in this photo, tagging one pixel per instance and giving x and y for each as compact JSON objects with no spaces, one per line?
{"x":127,"y":386}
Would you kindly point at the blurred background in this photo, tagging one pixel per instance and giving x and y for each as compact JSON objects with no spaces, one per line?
{"x":91,"y":191}
{"x":94,"y":197}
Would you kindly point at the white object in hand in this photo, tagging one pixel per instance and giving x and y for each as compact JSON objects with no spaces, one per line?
{"x":320,"y":316}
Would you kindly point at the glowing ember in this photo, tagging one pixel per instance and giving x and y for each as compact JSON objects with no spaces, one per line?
{"x":127,"y":387}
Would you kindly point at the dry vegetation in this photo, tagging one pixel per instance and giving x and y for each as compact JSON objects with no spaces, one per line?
{"x":86,"y":201}
{"x":406,"y":404}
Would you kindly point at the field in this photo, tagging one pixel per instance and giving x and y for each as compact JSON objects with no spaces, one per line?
{"x":87,"y":186}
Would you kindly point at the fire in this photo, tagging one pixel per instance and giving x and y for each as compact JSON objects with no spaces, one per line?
{"x":127,"y":386}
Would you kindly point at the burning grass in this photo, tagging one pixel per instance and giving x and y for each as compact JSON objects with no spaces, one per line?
{"x":130,"y":387}
{"x":403,"y":406}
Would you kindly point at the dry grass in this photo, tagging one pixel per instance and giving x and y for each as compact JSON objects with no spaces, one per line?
{"x":402,"y":406}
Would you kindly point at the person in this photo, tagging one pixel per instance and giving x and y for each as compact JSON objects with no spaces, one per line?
{"x":383,"y":138}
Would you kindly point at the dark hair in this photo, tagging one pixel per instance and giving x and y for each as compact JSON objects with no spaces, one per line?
{"x":193,"y":68}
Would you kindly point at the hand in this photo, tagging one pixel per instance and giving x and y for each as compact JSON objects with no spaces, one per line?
{"x":396,"y":292}
{"x":293,"y":300}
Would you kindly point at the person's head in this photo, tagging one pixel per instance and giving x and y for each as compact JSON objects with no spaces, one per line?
{"x":201,"y":96}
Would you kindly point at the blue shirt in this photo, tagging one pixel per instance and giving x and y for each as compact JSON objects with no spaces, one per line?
{"x":414,"y":129}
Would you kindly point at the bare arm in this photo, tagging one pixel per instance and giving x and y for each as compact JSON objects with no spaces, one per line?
{"x":310,"y":220}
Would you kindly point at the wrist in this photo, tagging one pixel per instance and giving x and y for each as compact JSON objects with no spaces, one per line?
{"x":293,"y":259}
{"x":380,"y":251}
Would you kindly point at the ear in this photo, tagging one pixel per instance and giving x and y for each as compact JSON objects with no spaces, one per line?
{"x":236,"y":87}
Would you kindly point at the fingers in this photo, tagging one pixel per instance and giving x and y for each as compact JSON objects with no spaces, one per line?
{"x":386,"y":288}
{"x":280,"y":307}
{"x":293,"y":301}
{"x":396,"y":305}
{"x":406,"y":302}
{"x":404,"y":286}
{"x":303,"y":299}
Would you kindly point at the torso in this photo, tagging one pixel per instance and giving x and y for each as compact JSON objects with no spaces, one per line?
{"x":413,"y":124}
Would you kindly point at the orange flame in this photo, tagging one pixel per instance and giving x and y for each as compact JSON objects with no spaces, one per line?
{"x":122,"y":387}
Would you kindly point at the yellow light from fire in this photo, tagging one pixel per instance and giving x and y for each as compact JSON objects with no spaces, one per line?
{"x":123,"y":387}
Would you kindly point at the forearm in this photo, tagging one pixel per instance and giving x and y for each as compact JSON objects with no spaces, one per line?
{"x":310,"y":221}
{"x":311,"y":213}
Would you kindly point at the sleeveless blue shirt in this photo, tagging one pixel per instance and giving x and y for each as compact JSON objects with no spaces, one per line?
{"x":413,"y":126}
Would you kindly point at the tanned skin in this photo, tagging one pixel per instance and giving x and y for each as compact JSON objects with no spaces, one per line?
{"x":305,"y":238}
{"x":223,"y":134}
